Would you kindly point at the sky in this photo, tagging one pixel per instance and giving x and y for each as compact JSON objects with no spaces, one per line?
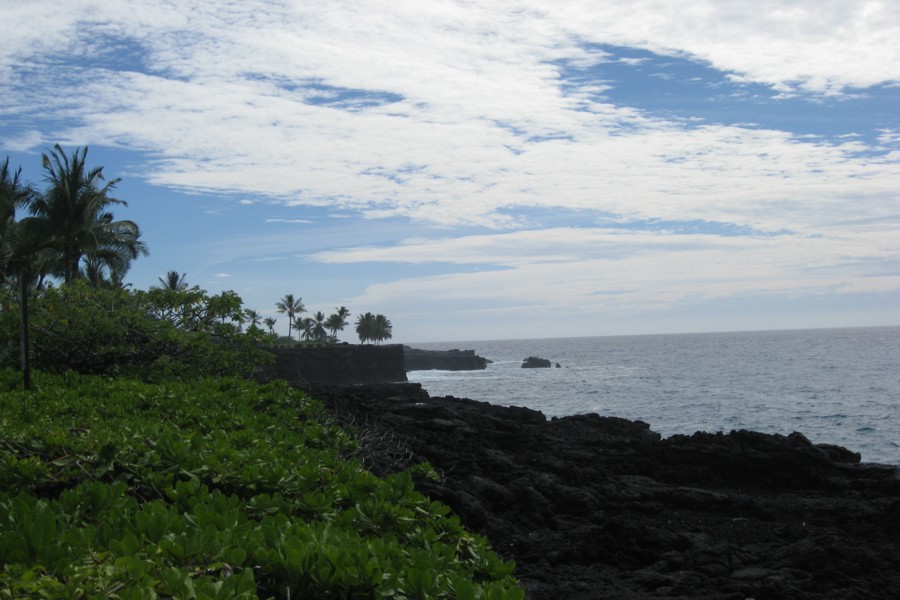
{"x":487,"y":170}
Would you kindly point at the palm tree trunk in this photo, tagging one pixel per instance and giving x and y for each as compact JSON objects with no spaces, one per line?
{"x":71,"y":259}
{"x":23,"y":336}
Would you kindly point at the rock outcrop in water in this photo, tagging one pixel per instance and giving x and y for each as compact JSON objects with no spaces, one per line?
{"x":597,"y":507}
{"x":534,"y":362}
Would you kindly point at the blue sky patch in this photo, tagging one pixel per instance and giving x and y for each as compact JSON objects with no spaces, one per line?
{"x":320,"y":94}
{"x":681,"y":88}
{"x":559,"y":216}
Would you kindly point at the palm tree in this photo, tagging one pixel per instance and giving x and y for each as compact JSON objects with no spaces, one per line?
{"x":270,"y":323}
{"x":17,"y":251}
{"x":14,"y":194}
{"x":72,"y":215}
{"x":337,"y":321}
{"x":116,"y":245}
{"x":173,"y":280}
{"x":306,"y":326}
{"x":252,"y":317}
{"x":290,"y":307}
{"x":109,"y":261}
{"x":100,"y":275}
{"x":365,"y":327}
{"x":383,"y":328}
{"x":318,"y":326}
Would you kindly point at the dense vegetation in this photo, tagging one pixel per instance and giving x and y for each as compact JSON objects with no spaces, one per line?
{"x":69,"y":234}
{"x":92,"y":323}
{"x":152,"y":335}
{"x":144,"y":464}
{"x":215,"y":488}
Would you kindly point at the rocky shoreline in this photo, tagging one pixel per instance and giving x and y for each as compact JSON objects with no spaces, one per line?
{"x":595,"y":507}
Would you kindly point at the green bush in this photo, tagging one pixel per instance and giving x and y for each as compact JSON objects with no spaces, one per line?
{"x":213,"y":488}
{"x":151,"y":335}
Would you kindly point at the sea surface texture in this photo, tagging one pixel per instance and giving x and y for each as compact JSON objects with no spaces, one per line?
{"x":835,"y":386}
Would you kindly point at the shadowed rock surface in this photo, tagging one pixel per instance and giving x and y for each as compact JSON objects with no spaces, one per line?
{"x":340,"y":364}
{"x":595,"y":507}
{"x":443,"y":360}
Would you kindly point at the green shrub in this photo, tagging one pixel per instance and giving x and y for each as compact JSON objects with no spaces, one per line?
{"x":213,"y":488}
{"x":151,"y":335}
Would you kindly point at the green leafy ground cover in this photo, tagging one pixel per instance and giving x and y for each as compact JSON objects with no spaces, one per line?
{"x":217,"y":488}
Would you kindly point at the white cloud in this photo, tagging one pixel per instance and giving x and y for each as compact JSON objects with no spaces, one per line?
{"x":221,"y":106}
{"x":22,"y":142}
{"x":808,"y":44}
{"x":288,"y":221}
{"x":475,"y":127}
{"x":630,"y":272}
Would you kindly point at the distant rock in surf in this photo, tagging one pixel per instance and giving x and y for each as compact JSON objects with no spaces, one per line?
{"x":533,"y":362}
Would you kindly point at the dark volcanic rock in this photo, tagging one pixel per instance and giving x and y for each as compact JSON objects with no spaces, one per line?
{"x":597,"y":507}
{"x":443,"y":360}
{"x":533,"y":362}
{"x":342,"y":364}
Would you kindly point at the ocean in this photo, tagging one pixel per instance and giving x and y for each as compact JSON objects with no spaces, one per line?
{"x":835,"y":386}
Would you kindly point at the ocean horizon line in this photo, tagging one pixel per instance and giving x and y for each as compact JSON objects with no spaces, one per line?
{"x":657,"y":334}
